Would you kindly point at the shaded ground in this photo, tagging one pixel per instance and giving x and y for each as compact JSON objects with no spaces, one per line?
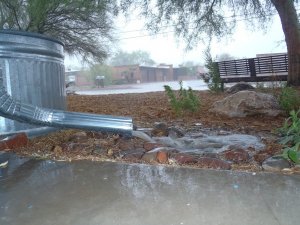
{"x":146,"y":109}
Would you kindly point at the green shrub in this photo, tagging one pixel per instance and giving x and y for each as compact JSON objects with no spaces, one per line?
{"x":212,"y":78}
{"x":185,"y":100}
{"x":289,"y":99}
{"x":291,"y":137}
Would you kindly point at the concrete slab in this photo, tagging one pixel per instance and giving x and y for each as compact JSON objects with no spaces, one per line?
{"x":89,"y":193}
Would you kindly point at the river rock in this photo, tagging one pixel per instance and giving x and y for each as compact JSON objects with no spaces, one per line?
{"x":162,"y":157}
{"x":160,"y":129}
{"x":149,"y":157}
{"x":247,"y":103}
{"x":148,"y":146}
{"x":176,"y":132}
{"x":242,"y":86}
{"x":182,"y":158}
{"x":275,"y":164}
{"x":15,"y":141}
{"x":214,"y":163}
{"x":132,"y":154}
{"x":237,"y":155}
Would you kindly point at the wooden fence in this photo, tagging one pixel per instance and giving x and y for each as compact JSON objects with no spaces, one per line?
{"x":267,"y":68}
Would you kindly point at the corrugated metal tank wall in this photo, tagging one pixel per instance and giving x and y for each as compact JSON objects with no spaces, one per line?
{"x":32,"y":68}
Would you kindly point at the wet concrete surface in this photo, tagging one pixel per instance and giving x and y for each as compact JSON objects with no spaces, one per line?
{"x":89,"y":193}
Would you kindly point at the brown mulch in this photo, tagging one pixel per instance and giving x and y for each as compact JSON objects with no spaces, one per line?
{"x":145,"y":109}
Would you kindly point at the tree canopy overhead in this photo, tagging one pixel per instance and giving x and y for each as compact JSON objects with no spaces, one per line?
{"x":199,"y":20}
{"x":83,"y":26}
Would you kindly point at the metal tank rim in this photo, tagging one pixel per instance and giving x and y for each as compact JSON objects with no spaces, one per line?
{"x":30,"y":34}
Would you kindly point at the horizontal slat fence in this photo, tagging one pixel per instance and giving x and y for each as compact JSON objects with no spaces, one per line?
{"x":267,"y":68}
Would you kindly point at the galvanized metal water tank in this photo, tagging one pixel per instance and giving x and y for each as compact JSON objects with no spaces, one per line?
{"x":32,"y":71}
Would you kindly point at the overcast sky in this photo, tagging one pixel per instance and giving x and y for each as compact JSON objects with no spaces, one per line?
{"x":164,"y":48}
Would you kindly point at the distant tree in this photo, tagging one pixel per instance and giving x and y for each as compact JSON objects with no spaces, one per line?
{"x":83,"y":26}
{"x":135,"y":57}
{"x":195,"y":20}
{"x":191,"y":68}
{"x":100,"y":70}
{"x":224,"y":57}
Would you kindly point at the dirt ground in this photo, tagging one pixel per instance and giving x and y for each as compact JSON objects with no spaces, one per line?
{"x":146,"y":109}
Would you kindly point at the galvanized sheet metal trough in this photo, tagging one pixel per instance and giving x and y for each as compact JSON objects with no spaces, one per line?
{"x":32,"y":89}
{"x":33,"y":72}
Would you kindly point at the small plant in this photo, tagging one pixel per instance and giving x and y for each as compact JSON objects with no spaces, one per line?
{"x":289,"y":99}
{"x":212,"y":78}
{"x":291,"y":137}
{"x":184,"y":101}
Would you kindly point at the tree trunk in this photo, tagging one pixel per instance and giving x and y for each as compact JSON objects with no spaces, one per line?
{"x":291,"y":28}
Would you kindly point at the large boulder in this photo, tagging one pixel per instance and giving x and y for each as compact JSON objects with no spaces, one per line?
{"x":247,"y":103}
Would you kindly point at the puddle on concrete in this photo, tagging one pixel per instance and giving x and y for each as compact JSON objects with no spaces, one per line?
{"x":84,"y":192}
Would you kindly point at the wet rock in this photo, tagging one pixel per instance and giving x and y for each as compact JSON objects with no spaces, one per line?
{"x":182,"y":158}
{"x":237,"y":155}
{"x":132,"y":154}
{"x":162,"y":157}
{"x":247,"y":103}
{"x":242,"y":86}
{"x":15,"y":141}
{"x":149,"y":157}
{"x":275,"y":164}
{"x":148,"y":146}
{"x":160,"y":129}
{"x":209,"y":154}
{"x":79,"y":137}
{"x":214,"y":163}
{"x":176,"y":132}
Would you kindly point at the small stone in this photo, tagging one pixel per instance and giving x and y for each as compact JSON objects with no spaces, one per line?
{"x":214,"y":163}
{"x":149,"y":157}
{"x":148,"y":146}
{"x":15,"y":141}
{"x":275,"y":164}
{"x":162,"y":157}
{"x":236,"y":156}
{"x":182,"y":158}
{"x":160,"y":129}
